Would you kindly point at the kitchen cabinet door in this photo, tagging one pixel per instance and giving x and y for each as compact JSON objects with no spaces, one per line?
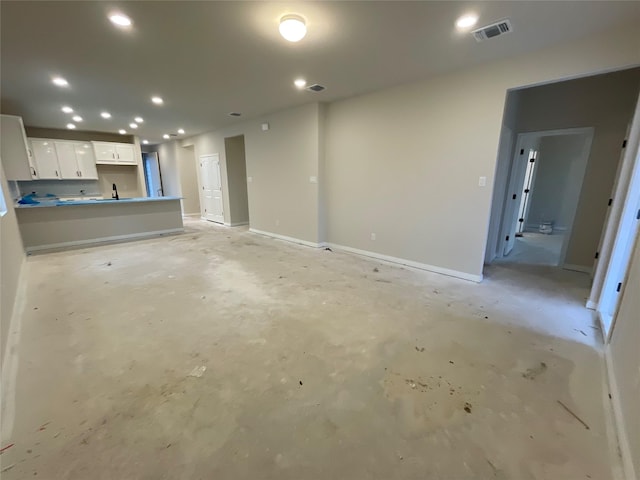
{"x":17,"y":158}
{"x":125,"y":153}
{"x":105,"y":152}
{"x":67,"y":161}
{"x":44,"y":153}
{"x":86,"y":161}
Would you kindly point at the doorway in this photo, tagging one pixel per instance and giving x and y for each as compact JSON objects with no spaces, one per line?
{"x":235,"y":162}
{"x":547,"y":172}
{"x":211,"y":188}
{"x":152,"y":174}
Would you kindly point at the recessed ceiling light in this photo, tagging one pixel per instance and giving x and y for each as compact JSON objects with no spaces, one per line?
{"x":300,"y":82}
{"x":181,"y":131}
{"x":157,"y":100}
{"x":138,"y":119}
{"x":133,"y":125}
{"x":105,"y":115}
{"x":59,"y":81}
{"x":122,"y":131}
{"x":292,"y":28}
{"x":166,"y":136}
{"x":71,"y":126}
{"x":467,"y":21}
{"x":120,"y":20}
{"x":146,"y":142}
{"x":77,"y":118}
{"x":66,"y":109}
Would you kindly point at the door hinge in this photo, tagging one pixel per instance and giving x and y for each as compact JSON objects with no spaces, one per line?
{"x":514,"y":196}
{"x":531,"y":160}
{"x":507,"y":239}
{"x":597,"y":255}
{"x":521,"y":220}
{"x":638,"y":215}
{"x":610,"y":202}
{"x":522,"y":151}
{"x":527,"y":191}
{"x":619,"y":287}
{"x":624,"y":143}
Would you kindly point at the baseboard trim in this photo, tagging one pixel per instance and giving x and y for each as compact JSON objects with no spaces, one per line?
{"x":239,"y":224}
{"x":101,"y":240}
{"x":576,"y":268}
{"x":618,"y":418}
{"x":286,"y":238}
{"x":591,"y":305}
{"x":408,"y":263}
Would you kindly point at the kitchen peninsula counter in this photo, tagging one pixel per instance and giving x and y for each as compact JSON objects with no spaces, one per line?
{"x":57,"y":223}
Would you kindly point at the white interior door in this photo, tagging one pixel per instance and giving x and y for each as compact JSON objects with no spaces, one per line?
{"x":211,"y":187}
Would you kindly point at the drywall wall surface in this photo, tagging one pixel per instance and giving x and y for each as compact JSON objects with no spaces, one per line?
{"x":12,"y":259}
{"x":606,"y":103}
{"x":188,"y":180}
{"x":168,"y":158}
{"x":556,"y":186}
{"x":322,"y":176}
{"x":625,"y":357}
{"x":404,"y":163}
{"x":59,"y":134}
{"x":280,"y":162}
{"x":237,"y":179}
{"x":124,"y":176}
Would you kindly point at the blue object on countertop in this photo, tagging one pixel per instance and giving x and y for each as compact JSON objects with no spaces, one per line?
{"x":28,"y":200}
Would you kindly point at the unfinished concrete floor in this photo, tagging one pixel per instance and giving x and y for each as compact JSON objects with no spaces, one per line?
{"x":318,"y":364}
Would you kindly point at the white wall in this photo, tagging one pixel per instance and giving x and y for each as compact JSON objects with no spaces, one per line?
{"x":179,"y":176}
{"x":556,"y":185}
{"x":12,"y":260}
{"x":404,"y":162}
{"x":237,"y":180}
{"x":625,"y":360}
{"x":280,"y":161}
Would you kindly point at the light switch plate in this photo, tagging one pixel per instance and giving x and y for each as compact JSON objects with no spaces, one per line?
{"x":249,"y":179}
{"x":265,"y":127}
{"x":482,"y":182}
{"x":313,"y":179}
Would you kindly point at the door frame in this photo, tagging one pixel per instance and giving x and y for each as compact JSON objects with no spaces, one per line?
{"x":515,"y":181}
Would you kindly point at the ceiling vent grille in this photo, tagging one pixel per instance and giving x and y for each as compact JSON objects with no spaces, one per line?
{"x":315,"y":88}
{"x":493,"y":30}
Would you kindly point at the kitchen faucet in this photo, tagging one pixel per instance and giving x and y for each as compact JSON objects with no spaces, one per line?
{"x":114,"y":194}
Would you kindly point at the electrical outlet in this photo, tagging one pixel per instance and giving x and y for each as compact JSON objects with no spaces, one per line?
{"x":373,"y":236}
{"x":249,"y":179}
{"x":313,"y":179}
{"x":482,"y":182}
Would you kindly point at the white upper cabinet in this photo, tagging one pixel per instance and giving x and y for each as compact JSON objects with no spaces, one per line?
{"x":17,"y":157}
{"x":67,"y":160}
{"x":46,"y":159}
{"x":114,"y":153}
{"x":86,"y":161}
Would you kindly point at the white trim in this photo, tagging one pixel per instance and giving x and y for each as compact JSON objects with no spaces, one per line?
{"x":618,"y":416}
{"x":591,"y":305}
{"x":115,"y":238}
{"x":194,"y":214}
{"x":576,"y":268}
{"x":286,"y":239}
{"x":237,"y":224}
{"x":409,"y":263}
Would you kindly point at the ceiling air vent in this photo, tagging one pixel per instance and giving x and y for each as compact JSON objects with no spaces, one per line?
{"x":315,"y":88}
{"x":493,"y":30}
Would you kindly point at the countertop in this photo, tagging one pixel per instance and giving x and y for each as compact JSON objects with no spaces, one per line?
{"x":105,"y":201}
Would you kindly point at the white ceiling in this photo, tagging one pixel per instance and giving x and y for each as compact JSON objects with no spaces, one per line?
{"x":207,"y":59}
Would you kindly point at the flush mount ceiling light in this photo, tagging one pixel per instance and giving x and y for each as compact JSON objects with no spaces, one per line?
{"x":300,"y":82}
{"x":77,"y":118}
{"x":60,"y":82}
{"x":293,"y":28}
{"x":181,"y":131}
{"x":467,"y":21}
{"x":122,"y":131}
{"x":105,"y":115}
{"x":146,"y":142}
{"x":66,"y":109}
{"x":166,"y":136}
{"x":120,"y":20}
{"x":157,"y":100}
{"x":133,"y":125}
{"x":71,"y":126}
{"x":138,"y":119}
